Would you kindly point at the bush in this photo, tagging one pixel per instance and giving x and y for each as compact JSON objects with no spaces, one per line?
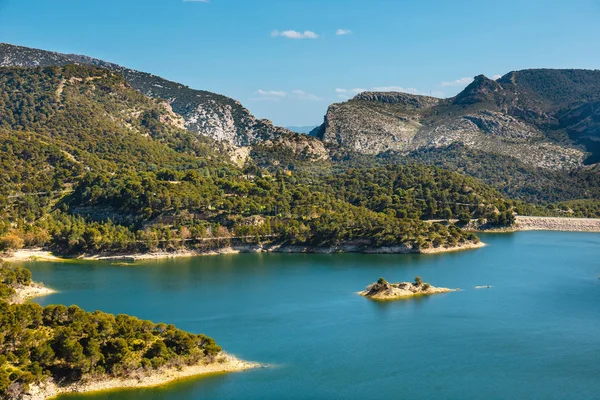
{"x":11,"y":242}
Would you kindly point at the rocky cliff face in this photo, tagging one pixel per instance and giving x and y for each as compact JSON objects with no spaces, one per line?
{"x":372,"y":122}
{"x":544,"y":118}
{"x":205,"y":113}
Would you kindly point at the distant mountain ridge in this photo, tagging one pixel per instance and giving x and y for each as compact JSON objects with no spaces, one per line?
{"x":545,"y":118}
{"x":206,"y":113}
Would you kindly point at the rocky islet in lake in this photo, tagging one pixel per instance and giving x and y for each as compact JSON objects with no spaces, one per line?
{"x":384,"y":290}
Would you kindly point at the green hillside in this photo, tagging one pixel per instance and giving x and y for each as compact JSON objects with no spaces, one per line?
{"x":93,"y":166}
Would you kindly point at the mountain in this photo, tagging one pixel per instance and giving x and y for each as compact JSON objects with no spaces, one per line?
{"x":205,"y":113}
{"x":529,"y":134}
{"x":541,"y":117}
{"x":59,"y":123}
{"x":90,"y":165}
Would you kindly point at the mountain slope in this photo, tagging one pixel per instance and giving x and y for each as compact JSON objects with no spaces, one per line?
{"x":544,"y":118}
{"x":59,"y":123}
{"x":205,"y":113}
{"x":90,"y":165}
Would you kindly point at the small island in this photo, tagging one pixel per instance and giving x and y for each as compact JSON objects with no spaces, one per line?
{"x":383,"y":290}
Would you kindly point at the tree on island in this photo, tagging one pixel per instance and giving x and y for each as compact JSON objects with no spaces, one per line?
{"x":382,"y":281}
{"x":418,"y":281}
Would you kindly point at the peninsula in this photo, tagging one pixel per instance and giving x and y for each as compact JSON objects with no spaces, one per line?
{"x":52,"y":350}
{"x":383,"y":290}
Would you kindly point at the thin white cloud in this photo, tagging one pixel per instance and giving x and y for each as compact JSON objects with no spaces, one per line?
{"x":302,"y":95}
{"x":496,"y":77}
{"x":278,"y":95}
{"x":269,"y":95}
{"x":265,"y":98}
{"x":272,"y":93}
{"x":292,"y":34}
{"x":350,"y":91}
{"x":459,"y":82}
{"x":341,"y":32}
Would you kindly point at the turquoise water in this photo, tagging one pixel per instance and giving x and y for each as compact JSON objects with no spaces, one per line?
{"x":534,"y":334}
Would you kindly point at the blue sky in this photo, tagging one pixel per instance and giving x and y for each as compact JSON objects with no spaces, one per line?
{"x":287,"y":60}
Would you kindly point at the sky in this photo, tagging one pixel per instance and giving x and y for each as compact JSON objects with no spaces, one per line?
{"x":288,"y":60}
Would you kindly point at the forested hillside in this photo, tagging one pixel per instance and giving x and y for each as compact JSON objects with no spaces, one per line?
{"x":67,"y":344}
{"x":92,"y":166}
{"x":532,"y":134}
{"x":203,"y":113}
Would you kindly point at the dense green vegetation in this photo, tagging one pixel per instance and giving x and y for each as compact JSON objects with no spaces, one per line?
{"x":68,"y":343}
{"x":95,"y":118}
{"x":100,"y":168}
{"x":511,"y":177}
{"x":10,"y":278}
{"x":205,"y":213}
{"x":552,"y":89}
{"x":417,"y":192}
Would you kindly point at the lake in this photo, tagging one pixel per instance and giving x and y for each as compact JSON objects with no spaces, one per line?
{"x":534,"y":334}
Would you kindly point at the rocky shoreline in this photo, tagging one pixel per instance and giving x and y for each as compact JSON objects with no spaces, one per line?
{"x":28,"y":292}
{"x":383,"y":290}
{"x":41,"y":255}
{"x":223,"y":364}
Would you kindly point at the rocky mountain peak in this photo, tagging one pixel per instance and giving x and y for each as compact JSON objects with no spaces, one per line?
{"x":205,"y":113}
{"x":482,"y":89}
{"x":405,"y":99}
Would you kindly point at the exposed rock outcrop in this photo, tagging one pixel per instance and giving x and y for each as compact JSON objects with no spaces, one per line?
{"x":372,"y":123}
{"x":544,"y":118}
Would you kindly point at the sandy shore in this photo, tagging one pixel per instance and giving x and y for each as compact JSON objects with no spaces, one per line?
{"x":466,"y":246}
{"x":161,"y":377}
{"x":32,"y":291}
{"x":30,"y":255}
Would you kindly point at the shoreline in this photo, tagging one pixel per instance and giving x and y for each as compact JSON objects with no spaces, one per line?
{"x":162,"y":377}
{"x":35,"y":290}
{"x":467,"y":246}
{"x":33,"y":255}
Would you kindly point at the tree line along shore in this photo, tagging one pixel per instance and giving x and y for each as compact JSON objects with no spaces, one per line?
{"x":522,"y":223}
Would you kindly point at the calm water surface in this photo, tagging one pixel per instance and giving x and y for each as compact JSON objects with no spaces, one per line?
{"x":534,"y":334}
